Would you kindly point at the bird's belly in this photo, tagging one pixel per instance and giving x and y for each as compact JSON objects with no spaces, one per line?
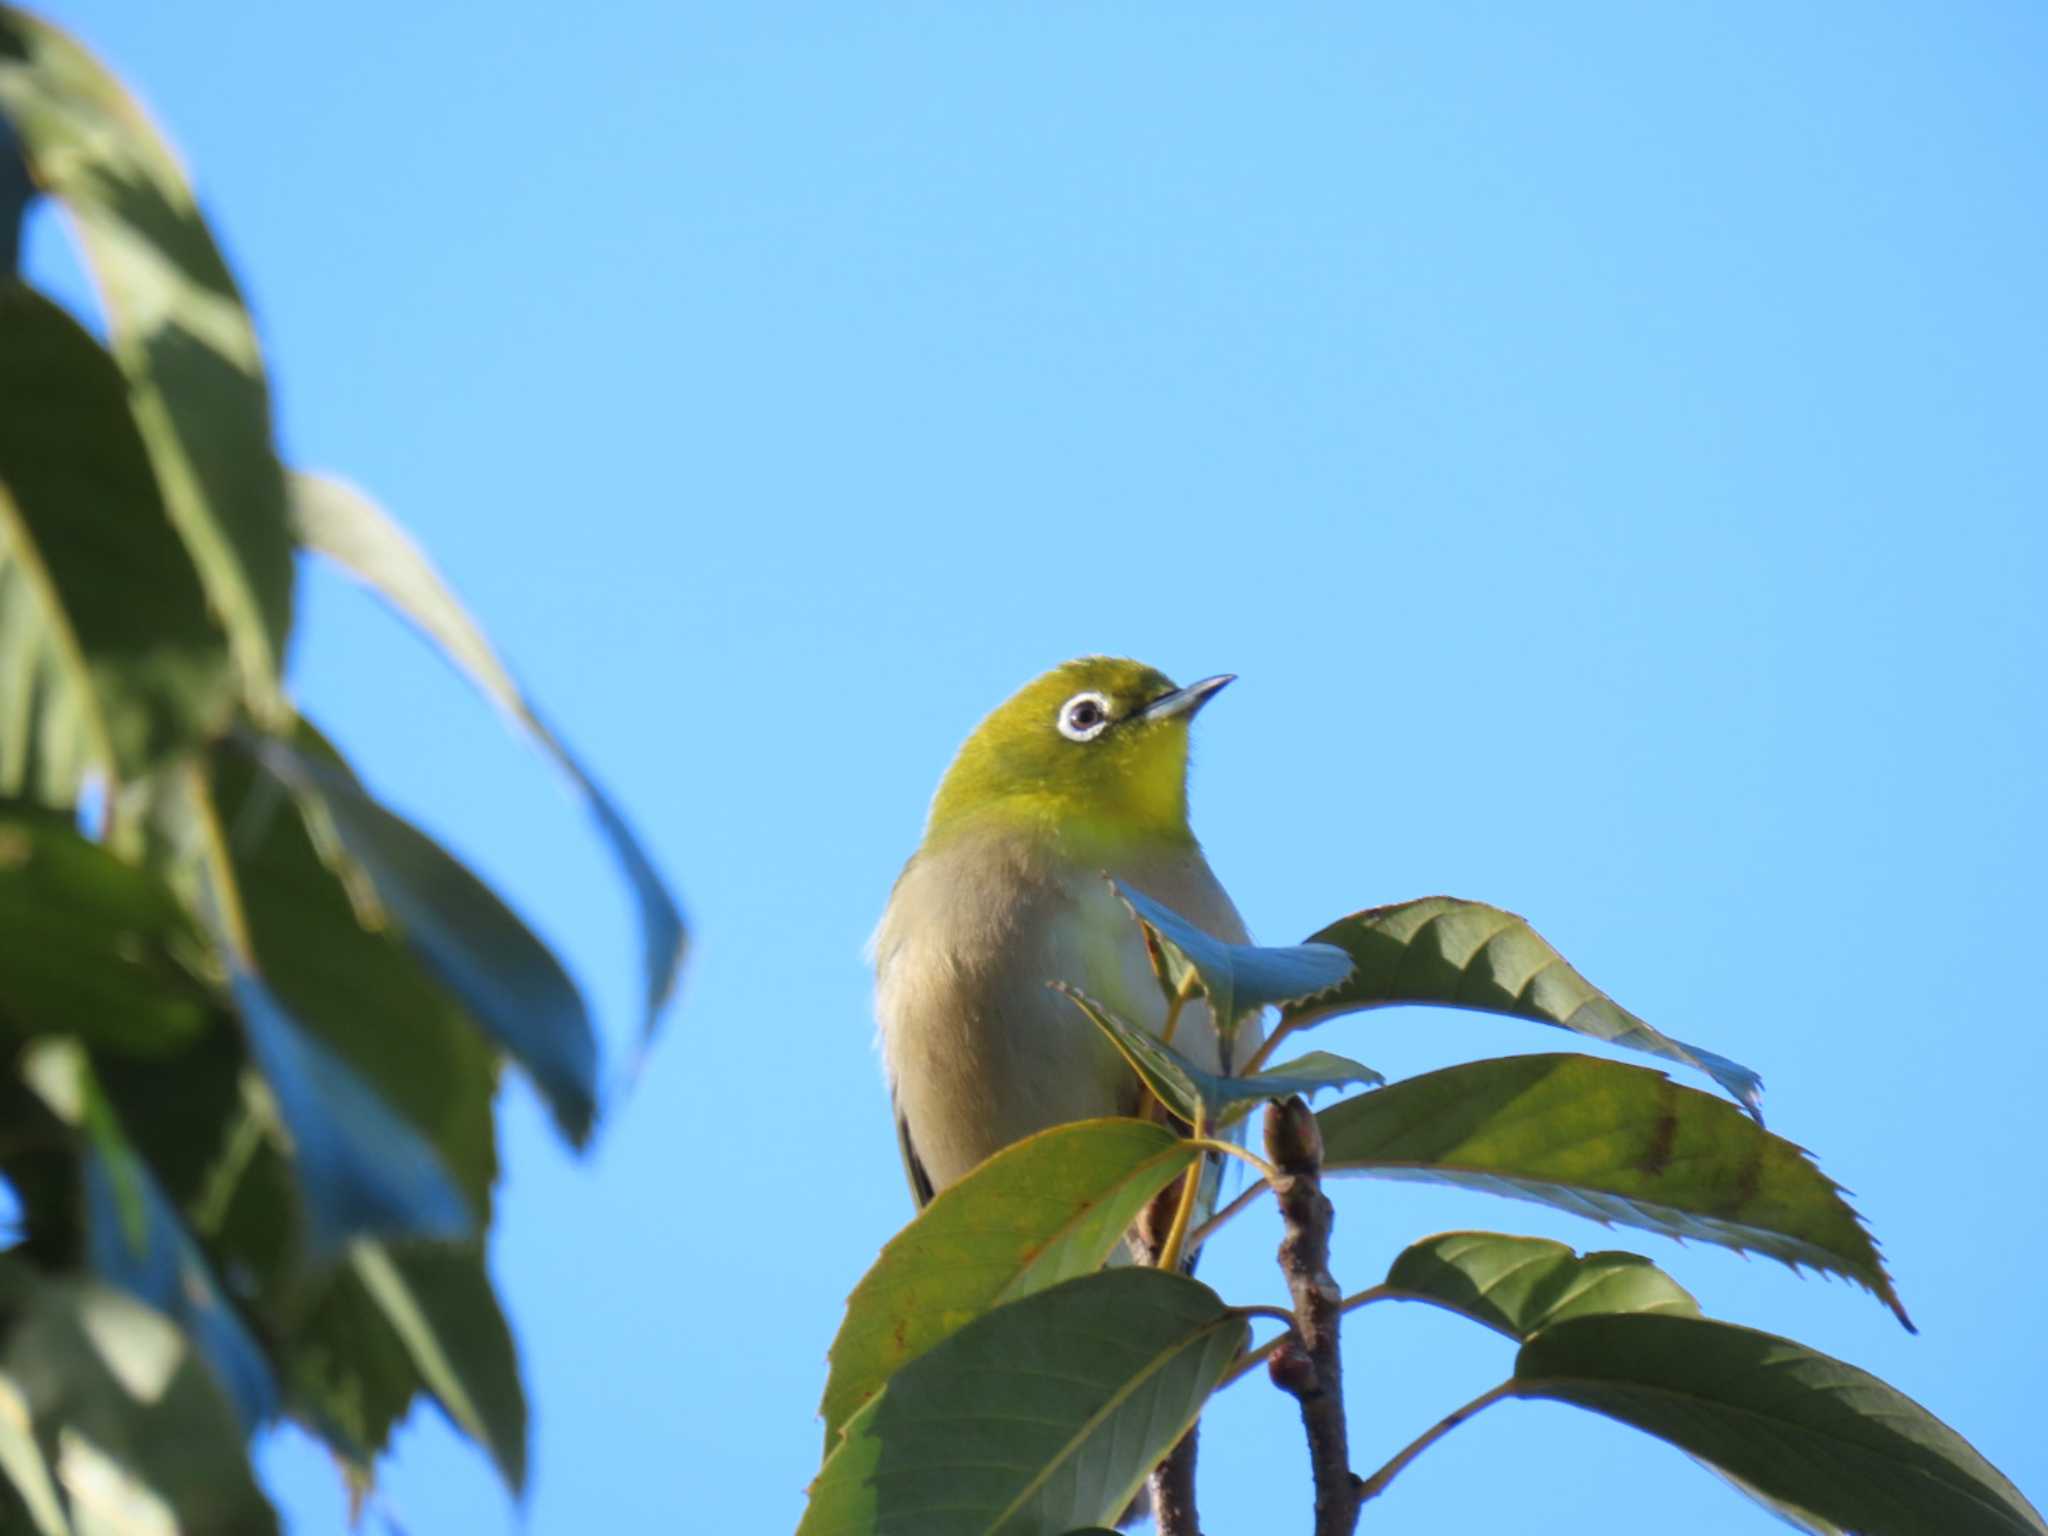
{"x":980,"y":1051}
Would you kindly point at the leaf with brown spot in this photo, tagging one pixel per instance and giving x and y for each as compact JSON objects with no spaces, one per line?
{"x":1588,"y":1136}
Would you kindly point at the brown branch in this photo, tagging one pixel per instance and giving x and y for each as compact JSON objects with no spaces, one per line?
{"x":1308,"y":1365}
{"x":1172,"y":1485}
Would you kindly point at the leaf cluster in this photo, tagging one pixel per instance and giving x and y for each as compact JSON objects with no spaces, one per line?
{"x":939,"y":1413}
{"x":252,"y":1020}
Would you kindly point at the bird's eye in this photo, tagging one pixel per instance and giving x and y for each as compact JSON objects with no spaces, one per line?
{"x":1084,"y":717}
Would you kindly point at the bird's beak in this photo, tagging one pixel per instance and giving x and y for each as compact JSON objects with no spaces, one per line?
{"x":1185,"y":701}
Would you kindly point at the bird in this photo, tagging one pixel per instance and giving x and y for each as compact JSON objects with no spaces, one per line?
{"x":1079,"y":775}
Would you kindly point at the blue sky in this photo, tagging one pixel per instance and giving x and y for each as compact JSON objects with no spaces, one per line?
{"x":1607,"y":441}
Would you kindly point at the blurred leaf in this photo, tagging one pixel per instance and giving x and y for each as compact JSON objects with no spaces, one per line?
{"x":511,"y":983}
{"x":364,"y":1170}
{"x":131,"y":1423}
{"x":94,"y":947}
{"x":1236,"y":978}
{"x":1614,"y":1142}
{"x":1040,"y":1416}
{"x":325,"y":951}
{"x":1517,"y":1285}
{"x":16,"y":193}
{"x":1791,"y":1422}
{"x":178,"y":329}
{"x":1039,"y":1212}
{"x":135,"y":1239}
{"x":438,"y":1300}
{"x":37,"y":1505}
{"x":1465,"y":954}
{"x":341,"y":523}
{"x":113,"y":659}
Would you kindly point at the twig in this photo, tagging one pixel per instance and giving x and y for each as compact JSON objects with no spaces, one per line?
{"x":1376,"y":1485}
{"x":1172,"y":1485}
{"x":1308,"y":1365}
{"x":1245,"y":1197}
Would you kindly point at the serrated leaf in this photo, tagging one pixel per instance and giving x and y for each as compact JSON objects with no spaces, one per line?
{"x":1517,"y":1285}
{"x":1184,"y":1087}
{"x":1236,"y":978}
{"x":1175,"y":1081}
{"x":512,"y":985}
{"x":178,"y":329}
{"x":135,"y":1238}
{"x":1040,"y":1416}
{"x":140,"y":1430}
{"x":1793,"y":1423}
{"x":1465,"y":954}
{"x":94,"y":947}
{"x":438,"y":1300}
{"x":112,"y":659}
{"x":339,"y":522}
{"x":1037,"y":1213}
{"x":1616,"y":1143}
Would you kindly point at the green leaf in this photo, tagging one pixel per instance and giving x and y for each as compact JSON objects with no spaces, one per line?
{"x":146,"y":1436}
{"x":134,"y":1237}
{"x":1517,"y":1285}
{"x":339,"y":522}
{"x":1184,"y":1087}
{"x":1465,"y":954}
{"x":178,"y":328}
{"x":1037,"y":1213}
{"x":438,"y":1299}
{"x":325,"y":952}
{"x":1789,"y":1421}
{"x":511,"y":983}
{"x":112,"y":659}
{"x":1040,"y":1416}
{"x":94,"y":947}
{"x":365,"y":1172}
{"x":1613,"y":1142}
{"x":1236,"y":978}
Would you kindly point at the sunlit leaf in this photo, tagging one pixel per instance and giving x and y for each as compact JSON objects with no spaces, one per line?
{"x":178,"y":331}
{"x":1465,"y":954}
{"x":93,"y":947}
{"x":1614,"y":1142}
{"x":1789,"y":1421}
{"x":511,"y":983}
{"x":437,"y":1298}
{"x":1517,"y":1285}
{"x":1042,"y":1415}
{"x":1236,"y":978}
{"x":135,"y":1238}
{"x":1039,"y":1212}
{"x":339,"y":522}
{"x":112,"y":659}
{"x":142,"y":1432}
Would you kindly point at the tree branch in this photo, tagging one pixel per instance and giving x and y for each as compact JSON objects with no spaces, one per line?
{"x":1172,"y":1485}
{"x":1308,"y":1365}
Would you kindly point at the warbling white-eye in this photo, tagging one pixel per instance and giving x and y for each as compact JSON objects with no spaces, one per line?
{"x":1080,"y":774}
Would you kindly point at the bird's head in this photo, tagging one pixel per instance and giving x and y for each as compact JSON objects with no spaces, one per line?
{"x":1094,"y":751}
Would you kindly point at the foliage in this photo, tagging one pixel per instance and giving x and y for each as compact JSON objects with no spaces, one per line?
{"x":253,"y":1020}
{"x":991,"y":1271}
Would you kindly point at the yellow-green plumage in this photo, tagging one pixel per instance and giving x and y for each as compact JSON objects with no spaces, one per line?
{"x":1081,"y":773}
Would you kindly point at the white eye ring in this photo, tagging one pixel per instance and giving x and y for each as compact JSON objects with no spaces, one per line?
{"x":1084,"y":717}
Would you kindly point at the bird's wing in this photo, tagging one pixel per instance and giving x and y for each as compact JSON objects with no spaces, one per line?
{"x":913,"y":1168}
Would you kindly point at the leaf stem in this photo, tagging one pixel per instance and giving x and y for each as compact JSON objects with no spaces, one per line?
{"x":1250,"y":1193}
{"x":1190,"y":1191}
{"x":1264,"y":1053}
{"x":1252,"y":1159}
{"x":1376,"y":1485}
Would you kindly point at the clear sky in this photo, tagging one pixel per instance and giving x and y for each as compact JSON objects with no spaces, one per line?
{"x":1610,"y":442}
